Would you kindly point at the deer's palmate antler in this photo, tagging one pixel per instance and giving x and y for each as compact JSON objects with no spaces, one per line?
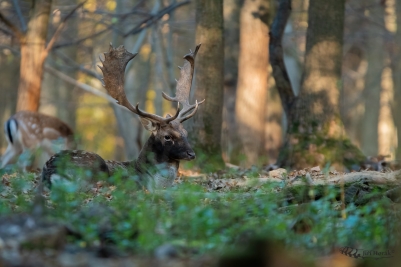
{"x":113,"y":70}
{"x":168,"y":142}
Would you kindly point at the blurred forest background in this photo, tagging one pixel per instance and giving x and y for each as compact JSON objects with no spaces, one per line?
{"x":162,"y":31}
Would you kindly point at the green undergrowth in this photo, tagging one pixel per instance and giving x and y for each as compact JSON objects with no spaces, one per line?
{"x":198,"y":221}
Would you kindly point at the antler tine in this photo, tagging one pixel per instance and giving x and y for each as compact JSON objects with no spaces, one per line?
{"x":184,"y":86}
{"x":196,"y":105}
{"x":154,"y":117}
{"x":114,"y":64}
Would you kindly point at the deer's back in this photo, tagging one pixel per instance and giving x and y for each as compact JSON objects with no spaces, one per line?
{"x":67,"y":163}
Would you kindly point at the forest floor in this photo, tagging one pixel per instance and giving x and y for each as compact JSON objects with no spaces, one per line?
{"x":234,"y":217}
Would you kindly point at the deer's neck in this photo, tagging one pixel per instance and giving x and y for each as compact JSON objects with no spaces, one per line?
{"x":155,"y":165}
{"x":152,"y":154}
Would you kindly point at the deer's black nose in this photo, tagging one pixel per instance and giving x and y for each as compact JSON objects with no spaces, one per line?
{"x":191,"y":154}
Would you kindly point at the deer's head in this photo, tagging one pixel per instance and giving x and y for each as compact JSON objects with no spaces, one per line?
{"x":169,"y":138}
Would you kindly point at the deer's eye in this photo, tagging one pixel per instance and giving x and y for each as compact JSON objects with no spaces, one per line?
{"x":167,"y":137}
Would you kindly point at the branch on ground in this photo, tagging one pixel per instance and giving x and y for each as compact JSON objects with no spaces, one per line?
{"x":373,"y":177}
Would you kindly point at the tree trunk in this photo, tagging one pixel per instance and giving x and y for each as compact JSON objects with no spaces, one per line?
{"x":32,"y":59}
{"x":396,"y":70}
{"x":252,"y":79}
{"x":375,"y":58}
{"x":231,"y":144}
{"x":315,"y":134}
{"x":206,"y":124}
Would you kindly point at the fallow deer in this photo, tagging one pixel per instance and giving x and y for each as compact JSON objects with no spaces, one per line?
{"x":158,"y":162}
{"x":38,"y":134}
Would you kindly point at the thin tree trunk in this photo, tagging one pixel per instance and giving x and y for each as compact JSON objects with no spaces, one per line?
{"x":231,"y":142}
{"x":375,"y":58}
{"x":32,"y":59}
{"x":129,"y":127}
{"x":65,"y":95}
{"x":252,"y":78}
{"x":206,"y":124}
{"x":158,"y":80}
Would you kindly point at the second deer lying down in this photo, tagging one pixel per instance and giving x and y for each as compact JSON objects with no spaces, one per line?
{"x":158,"y":161}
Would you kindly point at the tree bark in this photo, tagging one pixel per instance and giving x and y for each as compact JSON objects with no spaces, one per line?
{"x":375,"y":58}
{"x":315,"y":134}
{"x":396,"y":69}
{"x":231,"y":143}
{"x":32,"y":59}
{"x":205,"y":132}
{"x":252,"y":79}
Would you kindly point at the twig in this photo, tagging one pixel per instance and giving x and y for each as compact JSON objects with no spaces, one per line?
{"x":6,"y":31}
{"x":59,"y":29}
{"x":137,"y":28}
{"x":12,"y":27}
{"x":12,"y":49}
{"x":83,"y":39}
{"x":149,"y":21}
{"x":82,"y":86}
{"x":124,"y":15}
{"x":280,"y":73}
{"x":77,"y":66}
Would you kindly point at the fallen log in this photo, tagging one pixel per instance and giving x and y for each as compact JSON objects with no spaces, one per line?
{"x":371,"y":177}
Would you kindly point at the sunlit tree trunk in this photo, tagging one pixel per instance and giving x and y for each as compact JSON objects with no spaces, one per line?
{"x":32,"y":59}
{"x":315,"y":134}
{"x":252,"y":78}
{"x":206,"y":124}
{"x":375,"y":58}
{"x":396,"y":70}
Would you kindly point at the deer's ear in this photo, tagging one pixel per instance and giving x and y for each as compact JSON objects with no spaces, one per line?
{"x":168,"y":116}
{"x":149,"y":125}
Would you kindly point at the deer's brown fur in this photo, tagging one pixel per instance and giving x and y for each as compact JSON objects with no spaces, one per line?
{"x":32,"y":131}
